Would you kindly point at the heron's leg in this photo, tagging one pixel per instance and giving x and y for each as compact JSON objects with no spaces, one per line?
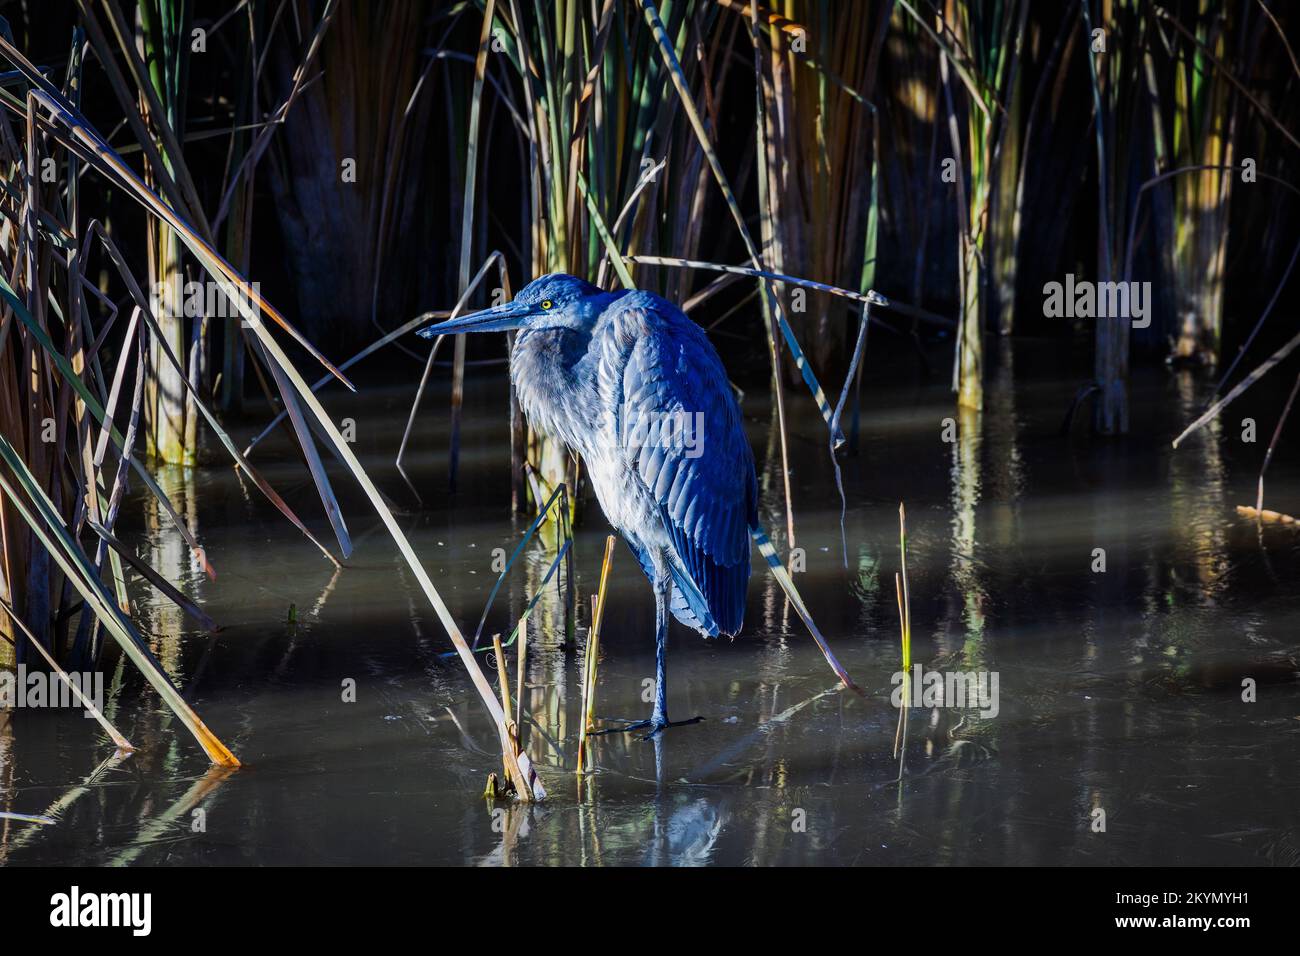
{"x":658,"y":722}
{"x":659,"y":718}
{"x":663,"y":598}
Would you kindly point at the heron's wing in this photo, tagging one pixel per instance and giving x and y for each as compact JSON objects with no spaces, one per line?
{"x":688,"y":448}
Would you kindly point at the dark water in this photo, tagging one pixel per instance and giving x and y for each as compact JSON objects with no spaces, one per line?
{"x":1119,"y":691}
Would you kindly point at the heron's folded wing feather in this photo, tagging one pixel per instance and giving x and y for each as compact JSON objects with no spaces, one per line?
{"x":688,"y":447}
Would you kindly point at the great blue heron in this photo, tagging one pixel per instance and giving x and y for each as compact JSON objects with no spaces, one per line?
{"x":634,"y":386}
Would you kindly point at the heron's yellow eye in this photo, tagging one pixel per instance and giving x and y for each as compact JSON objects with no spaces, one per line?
{"x":547,"y":304}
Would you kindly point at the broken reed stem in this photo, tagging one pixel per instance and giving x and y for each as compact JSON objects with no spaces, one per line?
{"x":510,"y":749}
{"x":1265,"y":516}
{"x":531,"y":474}
{"x":502,"y":678}
{"x":1277,"y":433}
{"x":521,"y":666}
{"x":582,"y":717}
{"x":593,"y":650}
{"x":902,"y":627}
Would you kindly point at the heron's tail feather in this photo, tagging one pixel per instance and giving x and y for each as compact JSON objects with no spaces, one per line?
{"x":688,"y":604}
{"x":695,"y":602}
{"x":783,"y":578}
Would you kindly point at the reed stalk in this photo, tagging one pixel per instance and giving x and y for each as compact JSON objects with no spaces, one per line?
{"x":905,"y":632}
{"x":114,"y":734}
{"x":72,"y":132}
{"x":817,"y":191}
{"x":521,"y":669}
{"x":513,"y":759}
{"x":467,"y":235}
{"x":503,"y":681}
{"x":1272,"y":444}
{"x":163,"y":36}
{"x":980,"y":44}
{"x":1195,"y":123}
{"x":592,"y":658}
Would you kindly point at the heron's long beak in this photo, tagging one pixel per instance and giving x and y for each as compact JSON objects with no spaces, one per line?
{"x":499,"y":318}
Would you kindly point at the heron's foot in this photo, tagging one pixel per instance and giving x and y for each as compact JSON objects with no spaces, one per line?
{"x":655,"y":727}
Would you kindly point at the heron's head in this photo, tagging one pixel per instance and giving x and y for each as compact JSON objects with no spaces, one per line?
{"x":552,"y":301}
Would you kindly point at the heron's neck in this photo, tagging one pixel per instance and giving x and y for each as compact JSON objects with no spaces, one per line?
{"x":556,"y":397}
